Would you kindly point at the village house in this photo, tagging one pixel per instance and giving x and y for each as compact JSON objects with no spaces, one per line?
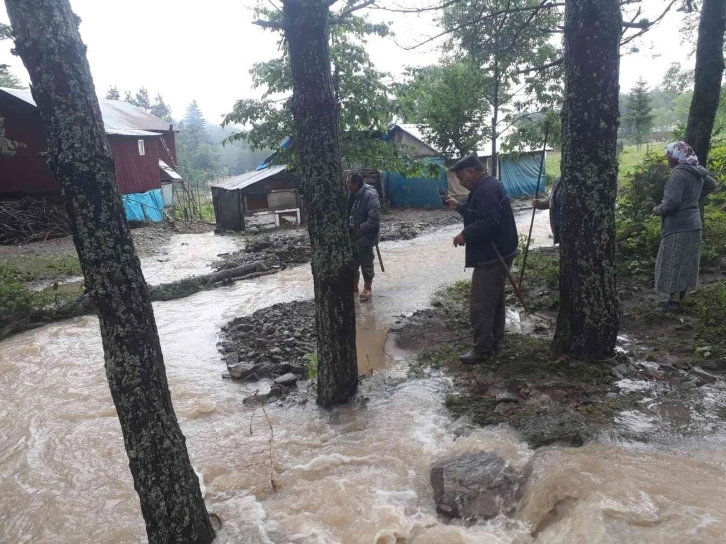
{"x":143,"y":148}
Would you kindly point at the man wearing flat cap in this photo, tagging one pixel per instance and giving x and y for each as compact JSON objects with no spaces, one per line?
{"x":489,"y":232}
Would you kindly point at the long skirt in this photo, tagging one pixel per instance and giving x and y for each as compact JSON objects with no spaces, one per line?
{"x":678,"y":260}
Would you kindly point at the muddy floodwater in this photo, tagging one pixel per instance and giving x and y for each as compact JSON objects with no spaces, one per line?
{"x":356,"y":474}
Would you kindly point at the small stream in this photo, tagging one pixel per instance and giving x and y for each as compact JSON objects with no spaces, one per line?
{"x":355,"y":474}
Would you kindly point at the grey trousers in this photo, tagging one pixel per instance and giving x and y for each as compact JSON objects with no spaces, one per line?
{"x":486,"y":306}
{"x":363,"y":260}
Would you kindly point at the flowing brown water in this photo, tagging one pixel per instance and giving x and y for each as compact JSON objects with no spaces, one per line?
{"x":356,"y":474}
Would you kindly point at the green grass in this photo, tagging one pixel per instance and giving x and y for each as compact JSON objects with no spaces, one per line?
{"x":629,"y":159}
{"x":42,"y":267}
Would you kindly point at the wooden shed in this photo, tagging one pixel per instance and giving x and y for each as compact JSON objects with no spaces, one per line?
{"x":264,"y":198}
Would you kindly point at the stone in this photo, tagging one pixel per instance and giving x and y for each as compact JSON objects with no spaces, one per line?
{"x":690,"y":385}
{"x":254,"y":377}
{"x":254,"y":400}
{"x":231,"y":358}
{"x":504,"y":408}
{"x":714,"y":366}
{"x":702,"y":375}
{"x":653,"y":374}
{"x":226,"y":375}
{"x":275,"y":351}
{"x":275,"y":392}
{"x":284,"y":368}
{"x":287,"y":380}
{"x":284,"y":390}
{"x":299,"y":370}
{"x":474,"y":486}
{"x":270,"y":330}
{"x":240,"y":371}
{"x":507,"y":396}
{"x":621,"y":371}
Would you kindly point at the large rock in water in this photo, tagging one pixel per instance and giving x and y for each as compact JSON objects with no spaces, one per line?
{"x":474,"y":486}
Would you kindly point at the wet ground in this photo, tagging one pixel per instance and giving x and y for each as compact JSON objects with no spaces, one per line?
{"x":356,"y":474}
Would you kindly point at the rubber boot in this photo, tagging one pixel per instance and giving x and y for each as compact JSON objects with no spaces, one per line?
{"x":356,"y":281}
{"x":365,"y":296}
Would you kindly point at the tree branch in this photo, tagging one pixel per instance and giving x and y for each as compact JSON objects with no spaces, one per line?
{"x":343,"y":14}
{"x":650,"y":24}
{"x":542,"y":68}
{"x":272,"y":25}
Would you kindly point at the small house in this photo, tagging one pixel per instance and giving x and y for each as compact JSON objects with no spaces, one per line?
{"x":265,"y":198}
{"x":143,"y":148}
{"x":518,"y":172}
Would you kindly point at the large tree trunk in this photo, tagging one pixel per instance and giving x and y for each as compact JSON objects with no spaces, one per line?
{"x":587,"y":324}
{"x":49,"y":43}
{"x":708,"y":75}
{"x":316,"y":133}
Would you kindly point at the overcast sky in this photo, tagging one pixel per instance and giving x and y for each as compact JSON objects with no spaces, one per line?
{"x":188,"y":50}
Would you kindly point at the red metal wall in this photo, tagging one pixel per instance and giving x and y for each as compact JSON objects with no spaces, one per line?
{"x":25,"y":171}
{"x":135,"y":173}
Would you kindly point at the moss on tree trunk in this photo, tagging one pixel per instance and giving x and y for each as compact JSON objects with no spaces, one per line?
{"x":317,"y":138}
{"x":587,"y":324}
{"x":49,"y":43}
{"x":708,"y":75}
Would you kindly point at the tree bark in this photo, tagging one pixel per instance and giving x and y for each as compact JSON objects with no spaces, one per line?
{"x":317,"y":136}
{"x":587,"y":324}
{"x":49,"y":43}
{"x":707,"y":77}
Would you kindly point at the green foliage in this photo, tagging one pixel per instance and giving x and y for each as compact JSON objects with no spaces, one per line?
{"x":14,"y":297}
{"x":640,"y":116}
{"x":9,"y":81}
{"x":199,"y":157}
{"x":312,"y":359}
{"x":161,"y":109}
{"x":449,"y":105}
{"x":365,"y":105}
{"x":113,"y":93}
{"x":501,"y":38}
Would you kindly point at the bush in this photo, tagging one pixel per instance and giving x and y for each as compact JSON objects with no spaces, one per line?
{"x":14,"y":297}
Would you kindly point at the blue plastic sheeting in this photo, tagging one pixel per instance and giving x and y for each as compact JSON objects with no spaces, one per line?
{"x":146,"y":206}
{"x":520,"y":176}
{"x":415,"y":193}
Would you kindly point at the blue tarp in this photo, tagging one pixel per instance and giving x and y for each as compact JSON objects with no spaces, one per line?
{"x":146,"y":206}
{"x":519,"y":176}
{"x":415,"y":192}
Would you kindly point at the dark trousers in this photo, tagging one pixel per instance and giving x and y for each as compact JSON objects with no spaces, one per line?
{"x":486,"y":306}
{"x":363,"y":260}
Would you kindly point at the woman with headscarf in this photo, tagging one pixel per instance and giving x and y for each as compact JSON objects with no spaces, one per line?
{"x":676,"y":269}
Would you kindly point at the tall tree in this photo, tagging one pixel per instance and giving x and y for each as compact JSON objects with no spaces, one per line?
{"x":129,"y":98}
{"x":449,"y":105}
{"x":160,"y":108}
{"x":503,"y":38}
{"x":365,"y":107}
{"x":48,"y":41}
{"x":707,"y":77}
{"x":142,"y":99}
{"x":640,"y":112}
{"x":9,"y":81}
{"x":195,"y":126}
{"x":587,"y":324}
{"x":315,"y":114}
{"x":112,"y":93}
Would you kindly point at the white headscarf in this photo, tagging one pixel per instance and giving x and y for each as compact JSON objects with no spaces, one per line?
{"x":683,"y":153}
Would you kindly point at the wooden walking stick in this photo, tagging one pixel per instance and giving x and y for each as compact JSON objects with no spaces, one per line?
{"x":378,"y":251}
{"x":534,"y":210}
{"x":511,"y":278}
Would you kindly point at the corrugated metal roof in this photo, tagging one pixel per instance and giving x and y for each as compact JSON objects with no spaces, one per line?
{"x":119,"y":118}
{"x":250,"y":178}
{"x":484,"y":152}
{"x":173,"y":174}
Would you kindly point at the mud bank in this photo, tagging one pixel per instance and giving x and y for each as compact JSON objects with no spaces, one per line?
{"x":286,"y":248}
{"x":559,"y":400}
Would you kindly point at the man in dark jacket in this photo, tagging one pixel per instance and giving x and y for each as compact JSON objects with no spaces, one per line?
{"x":489,"y":232}
{"x":365,"y":227}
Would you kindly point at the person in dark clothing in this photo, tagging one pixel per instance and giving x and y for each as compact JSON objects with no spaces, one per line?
{"x":553,"y":203}
{"x":489,"y":228}
{"x":365,"y":227}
